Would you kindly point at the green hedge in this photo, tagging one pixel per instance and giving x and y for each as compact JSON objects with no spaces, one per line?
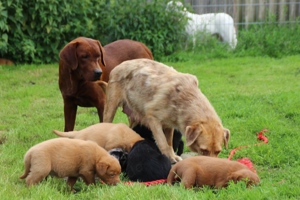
{"x":35,"y":31}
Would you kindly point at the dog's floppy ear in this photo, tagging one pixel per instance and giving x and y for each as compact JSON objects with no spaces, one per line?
{"x":102,"y":167}
{"x":226,"y":137}
{"x":102,"y":53}
{"x":69,"y":56}
{"x":192,"y":133}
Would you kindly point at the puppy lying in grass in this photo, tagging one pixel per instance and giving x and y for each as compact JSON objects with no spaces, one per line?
{"x":106,"y":135}
{"x":198,"y":171}
{"x":72,"y":158}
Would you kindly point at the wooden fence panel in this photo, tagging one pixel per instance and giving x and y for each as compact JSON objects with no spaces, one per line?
{"x":245,"y":12}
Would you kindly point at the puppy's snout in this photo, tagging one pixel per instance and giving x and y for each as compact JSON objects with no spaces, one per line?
{"x":97,"y":73}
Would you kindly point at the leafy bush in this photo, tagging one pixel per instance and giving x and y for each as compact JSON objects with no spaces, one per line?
{"x":148,"y":22}
{"x":35,"y":31}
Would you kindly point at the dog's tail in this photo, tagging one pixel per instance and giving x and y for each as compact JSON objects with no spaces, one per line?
{"x":171,"y":176}
{"x":148,"y":51}
{"x":27,"y":165}
{"x":69,"y":134}
{"x":103,"y":85}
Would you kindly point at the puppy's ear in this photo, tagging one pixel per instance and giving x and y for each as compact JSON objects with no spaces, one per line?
{"x":192,"y":133}
{"x":226,"y":137}
{"x":102,"y":168}
{"x":69,"y":56}
{"x":102,"y":53}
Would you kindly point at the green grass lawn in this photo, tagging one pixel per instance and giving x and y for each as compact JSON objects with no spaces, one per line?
{"x":249,"y":94}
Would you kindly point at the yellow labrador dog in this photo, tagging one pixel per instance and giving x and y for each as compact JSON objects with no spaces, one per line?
{"x":106,"y":135}
{"x":161,"y":98}
{"x":72,"y":158}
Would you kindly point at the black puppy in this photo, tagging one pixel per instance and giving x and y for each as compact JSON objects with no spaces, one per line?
{"x":121,"y":155}
{"x":146,"y":133}
{"x":146,"y":163}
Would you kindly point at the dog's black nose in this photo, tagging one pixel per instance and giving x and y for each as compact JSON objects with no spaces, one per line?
{"x":98,"y":73}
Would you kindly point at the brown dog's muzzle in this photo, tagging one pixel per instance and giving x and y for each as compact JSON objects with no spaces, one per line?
{"x":97,"y":74}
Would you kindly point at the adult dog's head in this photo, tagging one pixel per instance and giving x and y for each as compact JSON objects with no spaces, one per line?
{"x":82,"y":59}
{"x":206,"y":138}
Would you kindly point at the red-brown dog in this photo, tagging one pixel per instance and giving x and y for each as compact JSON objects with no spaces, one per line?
{"x":198,"y":171}
{"x":121,"y":50}
{"x":82,"y":61}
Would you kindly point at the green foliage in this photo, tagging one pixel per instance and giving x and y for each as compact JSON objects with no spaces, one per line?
{"x":203,"y":47}
{"x":35,"y":31}
{"x":269,"y":38}
{"x":148,"y":22}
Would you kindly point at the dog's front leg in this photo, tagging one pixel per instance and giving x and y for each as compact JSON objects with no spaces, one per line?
{"x":169,"y":133}
{"x":71,"y":181}
{"x":113,"y":99}
{"x":161,"y":140}
{"x":100,"y":113}
{"x":88,"y":178}
{"x":70,"y":110}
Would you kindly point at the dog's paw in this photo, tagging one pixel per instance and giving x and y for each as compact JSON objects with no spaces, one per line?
{"x":175,"y":159}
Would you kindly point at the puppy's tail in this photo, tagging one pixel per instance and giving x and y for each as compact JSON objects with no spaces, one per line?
{"x":69,"y":134}
{"x":27,"y":164}
{"x":171,"y":176}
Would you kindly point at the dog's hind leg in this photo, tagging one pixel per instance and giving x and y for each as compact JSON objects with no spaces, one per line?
{"x":113,"y":100}
{"x":189,"y":178}
{"x":35,"y":177}
{"x":40,"y":168}
{"x":71,"y":182}
{"x":171,"y":176}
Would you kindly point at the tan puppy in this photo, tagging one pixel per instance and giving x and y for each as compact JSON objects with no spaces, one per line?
{"x":161,"y":98}
{"x":215,"y":172}
{"x":106,"y":135}
{"x":72,"y":158}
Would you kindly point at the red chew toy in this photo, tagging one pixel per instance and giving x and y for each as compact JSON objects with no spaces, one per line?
{"x":260,"y":136}
{"x":247,"y":161}
{"x":149,"y":183}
